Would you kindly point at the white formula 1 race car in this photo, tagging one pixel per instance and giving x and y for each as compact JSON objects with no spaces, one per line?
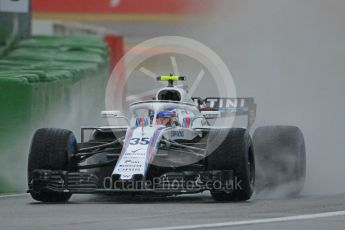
{"x":168,"y":147}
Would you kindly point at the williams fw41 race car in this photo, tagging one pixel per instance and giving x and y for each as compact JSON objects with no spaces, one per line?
{"x":170,"y":145}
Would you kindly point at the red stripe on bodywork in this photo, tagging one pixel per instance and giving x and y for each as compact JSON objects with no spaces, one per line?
{"x":152,"y":144}
{"x":187,"y":122}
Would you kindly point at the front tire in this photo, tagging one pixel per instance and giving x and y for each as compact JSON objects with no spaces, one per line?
{"x":51,"y":149}
{"x":235,"y":152}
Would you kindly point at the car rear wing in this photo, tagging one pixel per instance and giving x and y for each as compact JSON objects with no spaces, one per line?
{"x":215,"y":107}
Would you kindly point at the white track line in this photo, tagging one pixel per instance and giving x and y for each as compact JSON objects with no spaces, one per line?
{"x":13,"y":195}
{"x":251,"y":222}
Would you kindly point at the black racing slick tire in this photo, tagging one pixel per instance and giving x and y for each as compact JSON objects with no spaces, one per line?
{"x":281,"y":159}
{"x":233,"y":150}
{"x":51,"y":149}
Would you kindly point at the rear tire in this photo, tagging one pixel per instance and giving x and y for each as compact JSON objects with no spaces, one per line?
{"x":51,"y":149}
{"x":235,"y":152}
{"x":281,"y":159}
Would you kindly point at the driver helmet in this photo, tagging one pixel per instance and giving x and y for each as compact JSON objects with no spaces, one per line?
{"x":166,"y":117}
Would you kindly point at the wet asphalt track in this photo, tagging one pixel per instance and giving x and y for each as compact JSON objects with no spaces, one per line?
{"x":102,"y":212}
